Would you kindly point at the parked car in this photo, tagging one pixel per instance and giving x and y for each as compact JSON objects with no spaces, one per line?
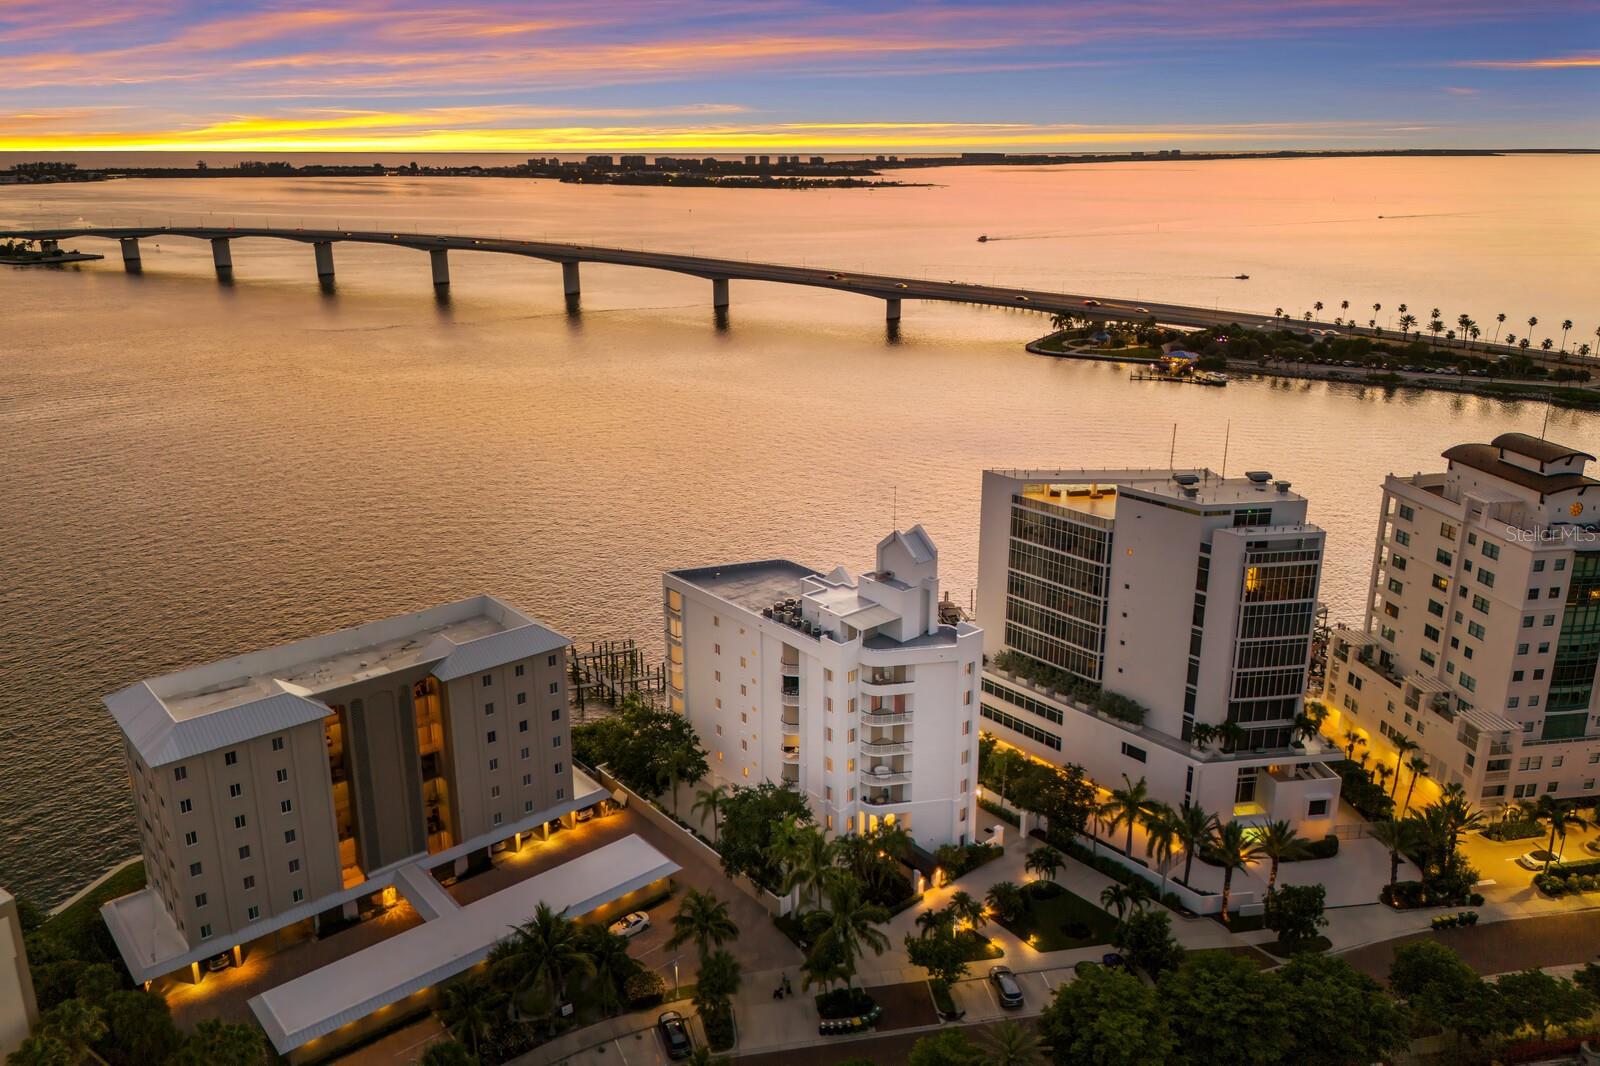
{"x":217,"y":963}
{"x":583,"y":814}
{"x":675,"y":1035}
{"x":1112,"y":961}
{"x":631,"y":925}
{"x":1006,"y":987}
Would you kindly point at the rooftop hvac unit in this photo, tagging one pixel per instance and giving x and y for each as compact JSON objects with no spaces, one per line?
{"x":1260,"y":477}
{"x":1186,"y":479}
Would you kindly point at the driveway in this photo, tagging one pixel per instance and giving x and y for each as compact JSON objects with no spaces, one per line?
{"x":1500,"y":947}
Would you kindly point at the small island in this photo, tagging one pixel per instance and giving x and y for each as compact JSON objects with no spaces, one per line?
{"x":48,"y":253}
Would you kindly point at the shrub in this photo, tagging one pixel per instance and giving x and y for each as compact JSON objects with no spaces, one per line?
{"x":1004,"y":813}
{"x":1326,"y":848}
{"x":1452,"y":921}
{"x":645,"y":989}
{"x":844,"y":1003}
{"x":1120,"y":707}
{"x":718,"y":1023}
{"x":942,"y":1001}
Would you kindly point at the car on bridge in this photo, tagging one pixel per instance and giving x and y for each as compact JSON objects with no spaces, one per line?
{"x":1091,"y":303}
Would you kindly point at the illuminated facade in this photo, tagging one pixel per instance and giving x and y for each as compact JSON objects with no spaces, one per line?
{"x":1481,"y":640}
{"x":1192,"y":595}
{"x":285,"y":783}
{"x":853,"y":691}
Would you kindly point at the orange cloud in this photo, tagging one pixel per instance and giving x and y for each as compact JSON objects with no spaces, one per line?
{"x":1570,"y":62}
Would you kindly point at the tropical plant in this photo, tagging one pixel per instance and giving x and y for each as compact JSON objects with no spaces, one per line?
{"x":852,"y":927}
{"x":1561,"y":816}
{"x":541,"y":954}
{"x":1499,"y":320}
{"x":1418,"y":767}
{"x":1278,"y":841}
{"x":1383,"y":772}
{"x":1406,"y":322}
{"x":1010,"y":1044}
{"x":1161,"y":837}
{"x":1404,"y":746}
{"x":1128,"y":805}
{"x":612,"y":964}
{"x":808,"y":856}
{"x":934,"y":921}
{"x":708,"y":802}
{"x":1352,"y":738}
{"x":1006,"y":901}
{"x":704,"y":919}
{"x":42,"y":1049}
{"x":964,"y":907}
{"x":447,"y":1053}
{"x":75,"y":1023}
{"x":469,"y":1008}
{"x":1044,"y":861}
{"x":719,"y":980}
{"x":1231,"y":848}
{"x":1395,"y":836}
{"x":1194,"y":826}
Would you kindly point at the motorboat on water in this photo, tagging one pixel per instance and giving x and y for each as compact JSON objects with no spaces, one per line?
{"x":1210,"y":377}
{"x":983,"y":239}
{"x":1241,"y":277}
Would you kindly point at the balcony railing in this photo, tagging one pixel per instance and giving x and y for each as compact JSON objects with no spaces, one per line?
{"x":789,"y":669}
{"x":889,"y":797}
{"x":885,"y":718}
{"x":790,"y":721}
{"x":791,"y":753}
{"x":885,"y":748}
{"x":873,"y":780}
{"x":791,"y":697}
{"x":790,"y":774}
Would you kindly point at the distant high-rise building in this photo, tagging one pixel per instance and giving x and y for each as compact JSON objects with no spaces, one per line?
{"x":18,"y":1010}
{"x":1481,"y":641}
{"x":853,"y":691}
{"x":1158,"y":624}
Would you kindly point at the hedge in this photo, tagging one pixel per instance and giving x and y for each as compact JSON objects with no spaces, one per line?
{"x":1404,"y":895}
{"x":1451,"y":921}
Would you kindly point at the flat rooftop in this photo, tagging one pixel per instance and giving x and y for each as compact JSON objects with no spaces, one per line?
{"x":179,"y":714}
{"x":299,"y":1011}
{"x":1096,"y":491}
{"x":749,"y":585}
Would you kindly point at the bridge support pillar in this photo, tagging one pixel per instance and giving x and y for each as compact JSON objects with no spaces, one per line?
{"x":441,"y":267}
{"x":569,"y":278}
{"x":324,"y":250}
{"x":130,"y":255}
{"x":222,"y":256}
{"x":719,"y":293}
{"x":892,"y":309}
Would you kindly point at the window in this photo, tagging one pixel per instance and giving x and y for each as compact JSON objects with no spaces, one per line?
{"x":283,"y":775}
{"x":488,"y":679}
{"x":494,"y":791}
{"x":1538,"y":566}
{"x":523,"y":754}
{"x":294,"y":866}
{"x":286,"y":806}
{"x":549,"y":660}
{"x":527,"y":806}
{"x":194,"y":869}
{"x":1132,"y":752}
{"x":238,"y":821}
{"x":1475,"y":629}
{"x":1428,"y":657}
{"x":1443,"y":558}
{"x":490,"y":737}
{"x":517,"y":670}
{"x":522,"y":697}
{"x":554,"y":687}
{"x":1491,"y":551}
{"x":488,"y":708}
{"x":1544,"y":647}
{"x":1447,"y":531}
{"x":230,"y":758}
{"x":1561,"y":564}
{"x":288,"y":836}
{"x":185,"y":806}
{"x":522,"y":726}
{"x":179,"y":773}
{"x":1549,"y":620}
{"x":1431,"y":632}
{"x":1436,"y":608}
{"x":561,"y":793}
{"x":1395,"y":586}
{"x":277,"y":743}
{"x":498,"y":818}
{"x":1402,"y":537}
{"x":527,"y":779}
{"x":191,"y":838}
{"x":555,"y":712}
{"x":1486,"y":577}
{"x":1407,"y":513}
{"x":1554,"y":593}
{"x":494,"y":764}
{"x":1522,"y":649}
{"x":1317,"y":808}
{"x":1439,"y":583}
{"x":1480,"y":605}
{"x":298,"y":895}
{"x":253,"y":912}
{"x":555,"y":742}
{"x":205,"y":932}
{"x":244,"y":851}
{"x":235,"y":791}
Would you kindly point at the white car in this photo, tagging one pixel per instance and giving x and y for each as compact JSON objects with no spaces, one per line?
{"x":631,"y":925}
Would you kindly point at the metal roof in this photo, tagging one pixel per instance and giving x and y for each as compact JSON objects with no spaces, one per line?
{"x":1536,"y":448}
{"x":488,"y":652}
{"x":318,"y":1003}
{"x":1486,"y":457}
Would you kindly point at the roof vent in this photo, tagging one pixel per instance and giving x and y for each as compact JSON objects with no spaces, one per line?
{"x":1281,"y":486}
{"x":1260,"y":477}
{"x":1191,"y":492}
{"x":1186,"y":479}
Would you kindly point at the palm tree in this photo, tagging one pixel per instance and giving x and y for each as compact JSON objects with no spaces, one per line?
{"x":1499,"y":320}
{"x":1128,"y":805}
{"x":1318,"y":307}
{"x":1161,"y":837}
{"x":931,"y":922}
{"x":470,"y":1007}
{"x":1193,"y":826}
{"x":1232,"y":849}
{"x":1406,"y":322}
{"x":1277,"y":312}
{"x":1278,"y":841}
{"x":612,"y":965}
{"x":1373,"y":322}
{"x":1404,"y":746}
{"x":1100,"y":813}
{"x":76,"y":1024}
{"x":1473,"y":331}
{"x":1044,"y":861}
{"x":1583,"y":350}
{"x":965,"y":907}
{"x":1434,"y":326}
{"x":1464,"y":322}
{"x":809,"y":858}
{"x":705,"y":919}
{"x":718,"y":981}
{"x":1396,"y":836}
{"x":708,"y":802}
{"x":1383,"y":772}
{"x":851,"y":927}
{"x":1523,"y":343}
{"x":542,"y":953}
{"x":1566,"y":324}
{"x":1351,"y":739}
{"x":1532,"y":321}
{"x":1122,"y":898}
{"x":1344,"y":305}
{"x":1562,"y":816}
{"x":1307,"y":316}
{"x":1546,"y":344}
{"x":1418,"y":766}
{"x":1010,"y":1044}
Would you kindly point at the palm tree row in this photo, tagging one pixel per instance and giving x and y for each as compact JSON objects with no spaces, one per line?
{"x":1465,"y":327}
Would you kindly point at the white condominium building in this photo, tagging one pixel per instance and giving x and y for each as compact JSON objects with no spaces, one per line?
{"x":1192,"y":594}
{"x":853,"y":691}
{"x":1482,"y":632}
{"x":287,"y":784}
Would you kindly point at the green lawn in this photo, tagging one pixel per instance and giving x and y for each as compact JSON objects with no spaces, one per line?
{"x":1062,"y":921}
{"x":980,"y":947}
{"x":79,"y":924}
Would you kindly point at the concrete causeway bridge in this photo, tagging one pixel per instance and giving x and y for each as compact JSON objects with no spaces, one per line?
{"x":892,"y":290}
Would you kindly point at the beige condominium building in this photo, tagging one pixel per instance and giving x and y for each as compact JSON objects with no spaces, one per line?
{"x":291,"y":784}
{"x":1192,"y":594}
{"x":1482,"y":630}
{"x":18,"y":1011}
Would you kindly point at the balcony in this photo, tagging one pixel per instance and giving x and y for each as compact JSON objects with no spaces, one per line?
{"x":790,"y":720}
{"x":882,"y":749}
{"x":880,"y":776}
{"x":885,"y":718}
{"x":885,"y":682}
{"x":789,"y":669}
{"x":790,"y":775}
{"x":791,"y":753}
{"x":886,"y":797}
{"x":791,"y":697}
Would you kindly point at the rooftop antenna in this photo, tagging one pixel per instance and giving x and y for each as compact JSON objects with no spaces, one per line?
{"x":894,"y":513}
{"x":1227,"y":435}
{"x":1172,"y":453}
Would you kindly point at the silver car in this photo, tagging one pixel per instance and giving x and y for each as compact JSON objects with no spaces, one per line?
{"x":1006,"y":987}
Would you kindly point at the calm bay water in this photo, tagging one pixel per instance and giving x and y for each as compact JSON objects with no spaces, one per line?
{"x":190,"y":471}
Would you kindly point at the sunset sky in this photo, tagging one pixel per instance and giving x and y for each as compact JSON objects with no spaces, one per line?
{"x":726,"y":75}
